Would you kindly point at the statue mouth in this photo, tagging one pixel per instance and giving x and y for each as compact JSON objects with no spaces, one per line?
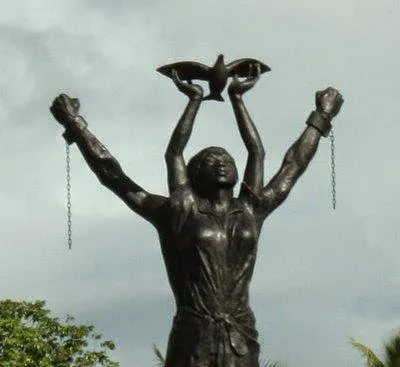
{"x":221,"y":172}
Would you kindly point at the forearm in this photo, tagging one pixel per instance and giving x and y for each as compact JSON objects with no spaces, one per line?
{"x":183,"y":130}
{"x":99,"y":159}
{"x":302,"y":151}
{"x":296,"y":161}
{"x":254,"y":171}
{"x":247,"y":129}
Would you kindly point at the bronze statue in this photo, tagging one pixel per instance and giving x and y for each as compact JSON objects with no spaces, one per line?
{"x":208,"y":237}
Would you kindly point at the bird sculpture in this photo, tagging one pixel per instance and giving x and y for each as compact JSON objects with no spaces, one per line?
{"x":217,"y":75}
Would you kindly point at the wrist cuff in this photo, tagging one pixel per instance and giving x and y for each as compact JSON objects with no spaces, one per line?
{"x":73,"y":128}
{"x":322,"y":124}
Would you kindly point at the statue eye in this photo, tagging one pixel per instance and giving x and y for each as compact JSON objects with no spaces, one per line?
{"x":226,"y":160}
{"x":209,"y":161}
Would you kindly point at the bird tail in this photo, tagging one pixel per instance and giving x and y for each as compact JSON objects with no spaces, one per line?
{"x":214,"y":97}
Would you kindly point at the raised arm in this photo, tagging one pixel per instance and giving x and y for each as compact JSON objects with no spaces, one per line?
{"x":102,"y":163}
{"x":177,"y":171}
{"x":302,"y":151}
{"x":254,"y":171}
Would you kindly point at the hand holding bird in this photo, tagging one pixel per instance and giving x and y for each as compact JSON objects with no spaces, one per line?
{"x":238,"y":87}
{"x":216,"y":75}
{"x":193,"y":91}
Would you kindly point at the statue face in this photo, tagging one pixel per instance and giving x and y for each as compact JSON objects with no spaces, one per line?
{"x":218,"y":169}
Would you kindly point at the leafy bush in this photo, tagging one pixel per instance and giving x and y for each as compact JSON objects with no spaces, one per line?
{"x":30,"y":337}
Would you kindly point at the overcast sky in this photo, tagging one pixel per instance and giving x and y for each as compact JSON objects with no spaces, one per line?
{"x":321,"y":276}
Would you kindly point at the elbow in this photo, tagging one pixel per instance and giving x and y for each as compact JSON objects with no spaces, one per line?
{"x":109,"y":173}
{"x":105,"y":178}
{"x":167,"y":154}
{"x":284,"y":190}
{"x":171,"y":154}
{"x":284,"y":186}
{"x":111,"y":180}
{"x":282,"y":193}
{"x":275,"y":195}
{"x":257,"y":152}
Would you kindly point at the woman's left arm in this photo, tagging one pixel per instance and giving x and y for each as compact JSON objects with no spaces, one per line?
{"x":254,"y":171}
{"x":299,"y":155}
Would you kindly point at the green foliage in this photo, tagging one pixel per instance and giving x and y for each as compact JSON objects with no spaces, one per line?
{"x":392,"y":349}
{"x":368,"y":354}
{"x":392,"y":352}
{"x":30,"y":337}
{"x":159,"y":356}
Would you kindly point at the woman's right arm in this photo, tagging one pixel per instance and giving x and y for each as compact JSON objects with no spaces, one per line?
{"x":102,"y":163}
{"x":177,"y":171}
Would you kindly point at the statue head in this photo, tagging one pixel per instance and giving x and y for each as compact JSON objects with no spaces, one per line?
{"x":212,"y":168}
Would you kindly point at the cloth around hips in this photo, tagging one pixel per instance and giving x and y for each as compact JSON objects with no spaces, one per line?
{"x":219,"y":340}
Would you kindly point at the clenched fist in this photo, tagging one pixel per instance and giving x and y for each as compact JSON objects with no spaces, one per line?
{"x":65,"y":109}
{"x":328,"y":102}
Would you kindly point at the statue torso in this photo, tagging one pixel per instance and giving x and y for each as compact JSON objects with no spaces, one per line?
{"x":210,"y":262}
{"x":211,"y":258}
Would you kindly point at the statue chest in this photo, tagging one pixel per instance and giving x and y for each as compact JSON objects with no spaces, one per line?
{"x":232,"y":236}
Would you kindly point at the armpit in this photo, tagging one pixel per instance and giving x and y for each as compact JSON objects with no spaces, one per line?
{"x":250,"y":198}
{"x":182,"y":202}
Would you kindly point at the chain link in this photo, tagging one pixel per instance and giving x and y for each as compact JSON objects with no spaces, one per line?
{"x":69,"y":213}
{"x":333,"y":169}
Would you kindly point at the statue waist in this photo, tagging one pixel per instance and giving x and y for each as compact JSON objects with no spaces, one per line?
{"x":221,"y":330}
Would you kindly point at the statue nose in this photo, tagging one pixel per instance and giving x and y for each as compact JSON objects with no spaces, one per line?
{"x":221,"y":162}
{"x":221,"y":167}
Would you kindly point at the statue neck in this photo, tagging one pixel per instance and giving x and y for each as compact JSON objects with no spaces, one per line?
{"x":219,"y":199}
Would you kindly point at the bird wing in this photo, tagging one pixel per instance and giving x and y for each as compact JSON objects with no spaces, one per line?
{"x":187,"y":70}
{"x":241,"y":67}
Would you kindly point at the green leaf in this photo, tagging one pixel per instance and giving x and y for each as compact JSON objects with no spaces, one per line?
{"x":159,"y":356}
{"x":392,"y":349}
{"x":372,"y":359}
{"x":31,"y":337}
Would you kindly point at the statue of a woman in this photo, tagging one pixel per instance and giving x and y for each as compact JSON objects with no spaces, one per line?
{"x":208,"y":237}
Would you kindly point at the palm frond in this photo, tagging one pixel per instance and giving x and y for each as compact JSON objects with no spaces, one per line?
{"x":371,"y":357}
{"x":392,"y":348}
{"x":159,"y":356}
